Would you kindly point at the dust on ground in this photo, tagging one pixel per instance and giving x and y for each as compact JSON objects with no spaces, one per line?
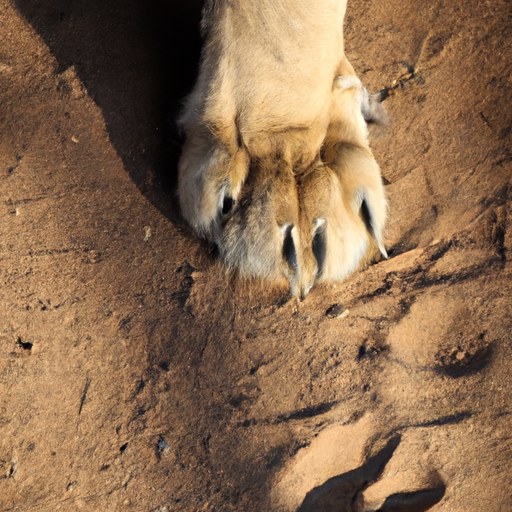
{"x":135,"y":375}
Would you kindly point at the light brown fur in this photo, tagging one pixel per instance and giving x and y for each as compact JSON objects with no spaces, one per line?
{"x":332,"y":193}
{"x":269,"y":127}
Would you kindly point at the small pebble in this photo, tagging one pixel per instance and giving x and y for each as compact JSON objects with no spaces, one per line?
{"x":337,"y":311}
{"x":162,"y":445}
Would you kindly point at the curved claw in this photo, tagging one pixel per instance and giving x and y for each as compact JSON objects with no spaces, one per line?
{"x":260,"y":238}
{"x":343,"y":236}
{"x":210,"y":181}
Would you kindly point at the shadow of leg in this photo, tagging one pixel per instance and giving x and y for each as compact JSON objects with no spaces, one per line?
{"x":413,"y":501}
{"x":137,"y":60}
{"x":344,"y":492}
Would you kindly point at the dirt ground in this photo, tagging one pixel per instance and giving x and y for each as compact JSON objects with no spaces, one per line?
{"x":135,"y":375}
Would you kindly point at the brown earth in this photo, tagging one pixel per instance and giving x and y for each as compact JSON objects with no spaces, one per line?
{"x":135,"y":375}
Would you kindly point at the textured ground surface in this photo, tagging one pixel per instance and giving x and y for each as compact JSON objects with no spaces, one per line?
{"x":135,"y":376}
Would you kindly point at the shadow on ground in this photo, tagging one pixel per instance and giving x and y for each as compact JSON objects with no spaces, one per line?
{"x":137,"y":61}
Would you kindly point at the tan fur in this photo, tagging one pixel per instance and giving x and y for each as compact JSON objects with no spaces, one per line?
{"x":330,"y":203}
{"x":252,"y":238}
{"x":263,"y":88}
{"x":353,"y":160}
{"x":334,"y":191}
{"x":276,"y":139}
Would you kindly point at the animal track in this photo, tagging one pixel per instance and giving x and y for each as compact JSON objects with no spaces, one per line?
{"x":471,"y":355}
{"x":345,"y":492}
{"x":341,"y":471}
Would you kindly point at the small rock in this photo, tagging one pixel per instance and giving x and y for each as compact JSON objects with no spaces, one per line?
{"x":337,"y":311}
{"x":162,"y":445}
{"x":461,"y":355}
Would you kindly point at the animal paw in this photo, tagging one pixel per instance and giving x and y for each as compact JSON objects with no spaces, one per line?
{"x":210,"y":181}
{"x":342,"y":215}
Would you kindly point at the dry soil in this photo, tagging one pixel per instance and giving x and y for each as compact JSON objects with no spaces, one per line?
{"x":136,"y":376}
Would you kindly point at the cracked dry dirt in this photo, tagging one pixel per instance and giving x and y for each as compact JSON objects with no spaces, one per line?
{"x":135,"y":376}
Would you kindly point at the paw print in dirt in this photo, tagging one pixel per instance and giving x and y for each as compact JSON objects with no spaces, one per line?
{"x":346,"y":492}
{"x":341,"y":471}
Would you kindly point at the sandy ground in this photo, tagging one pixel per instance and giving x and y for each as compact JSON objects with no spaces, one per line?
{"x":134,"y":375}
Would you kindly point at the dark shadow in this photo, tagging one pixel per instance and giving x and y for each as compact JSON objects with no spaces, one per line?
{"x":344,"y":492}
{"x":137,"y":60}
{"x":418,"y":501}
{"x":470,"y":364}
